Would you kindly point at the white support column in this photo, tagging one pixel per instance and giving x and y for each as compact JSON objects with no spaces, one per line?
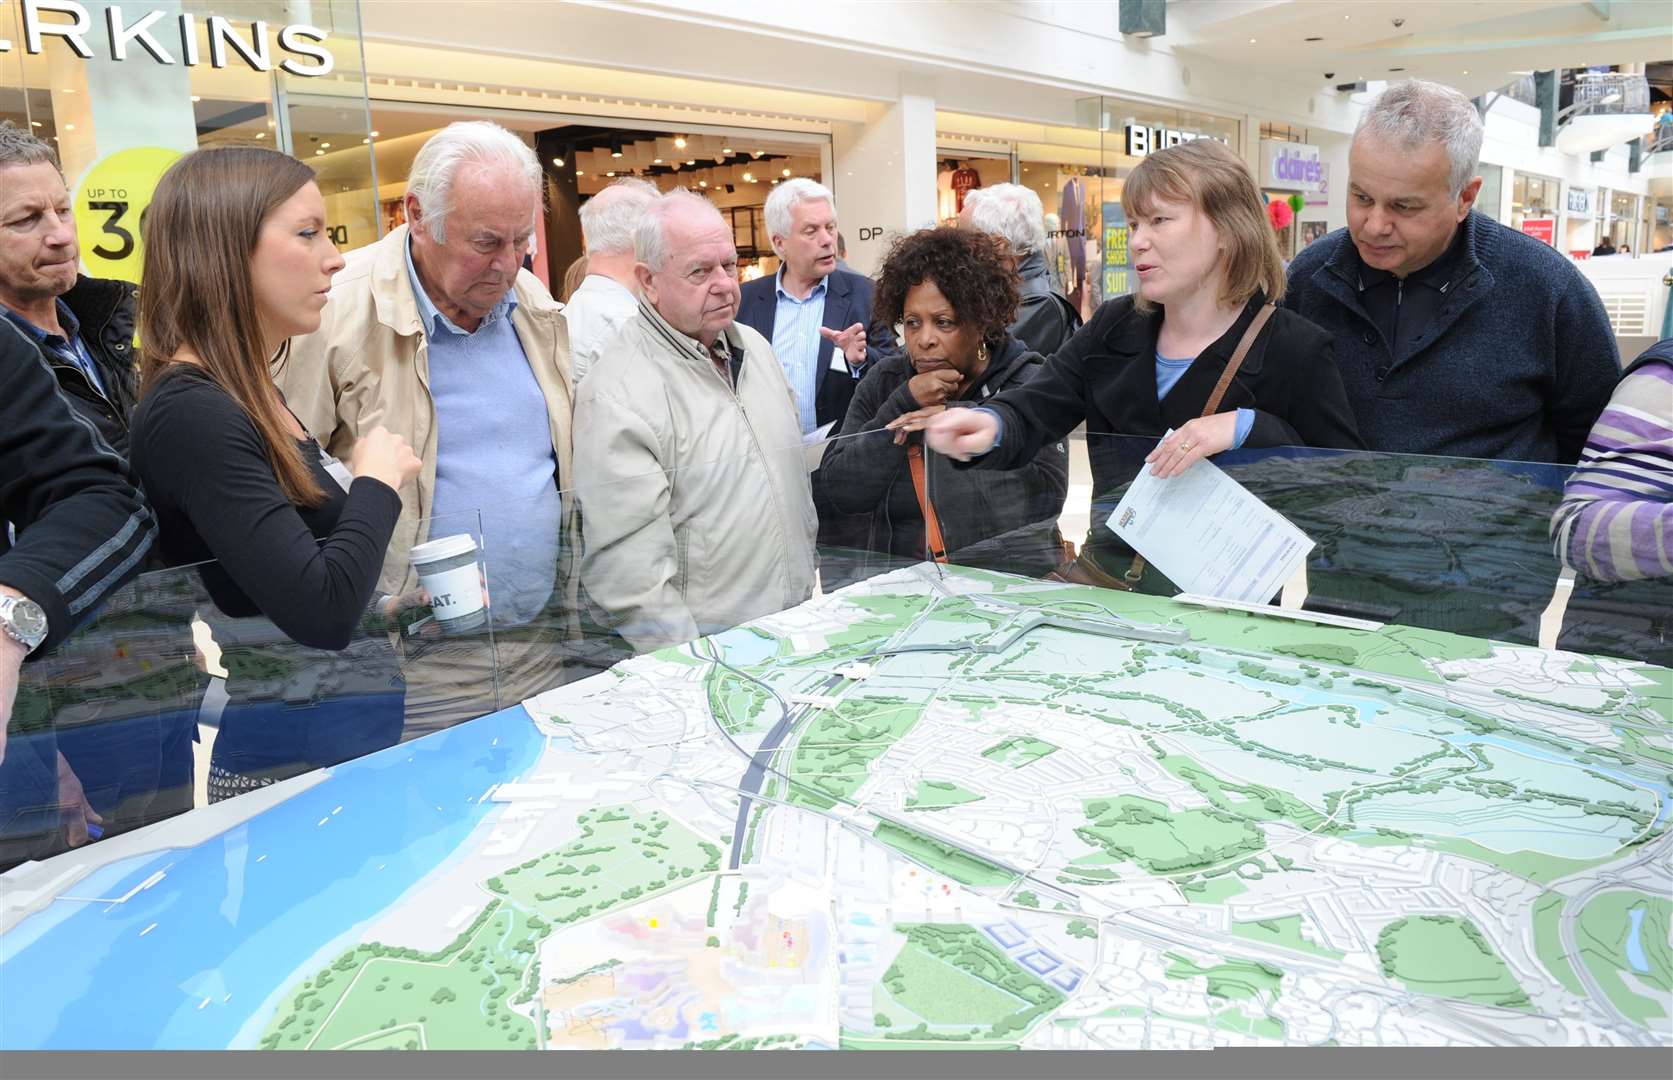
{"x":884,"y":173}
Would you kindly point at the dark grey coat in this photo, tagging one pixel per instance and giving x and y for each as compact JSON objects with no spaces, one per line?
{"x":1517,"y":365}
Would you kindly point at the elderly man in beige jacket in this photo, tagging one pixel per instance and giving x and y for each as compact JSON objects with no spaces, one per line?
{"x":437,"y":333}
{"x":696,"y":509}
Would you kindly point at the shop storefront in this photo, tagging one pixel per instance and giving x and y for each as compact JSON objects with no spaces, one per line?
{"x":1580,"y":228}
{"x":1078,"y":173}
{"x":1294,"y":176}
{"x":1622,"y":220}
{"x":122,"y":91}
{"x":1533,"y":206}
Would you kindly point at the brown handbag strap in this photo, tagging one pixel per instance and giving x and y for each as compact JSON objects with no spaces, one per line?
{"x":1136,"y":571}
{"x":933,"y":543}
{"x":1236,"y":361}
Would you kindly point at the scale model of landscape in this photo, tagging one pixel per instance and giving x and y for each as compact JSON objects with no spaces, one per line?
{"x":941,"y":811}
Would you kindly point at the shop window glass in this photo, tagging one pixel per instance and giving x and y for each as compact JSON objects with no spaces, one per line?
{"x":1492,"y":186}
{"x":117,"y":123}
{"x":1532,"y":197}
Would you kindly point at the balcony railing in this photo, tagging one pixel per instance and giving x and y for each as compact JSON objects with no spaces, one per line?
{"x":1609,"y":95}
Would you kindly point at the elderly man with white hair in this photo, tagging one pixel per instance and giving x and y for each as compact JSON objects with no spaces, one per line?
{"x":815,"y":314}
{"x":608,"y":296}
{"x":1454,"y":334}
{"x":1044,"y":319}
{"x":695,"y":504}
{"x":437,"y":333}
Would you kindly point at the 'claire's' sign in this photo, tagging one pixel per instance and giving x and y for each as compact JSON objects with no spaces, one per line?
{"x":150,"y":32}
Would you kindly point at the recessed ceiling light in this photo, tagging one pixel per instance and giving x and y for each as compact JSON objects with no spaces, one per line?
{"x":35,"y":123}
{"x":69,"y":127}
{"x":261,"y":134}
{"x":579,"y":172}
{"x":786,"y":172}
{"x":196,"y":98}
{"x":317,"y":153}
{"x":1466,"y":71}
{"x":558,"y":161}
{"x":325,"y":146}
{"x":692,"y":161}
{"x":679,"y":141}
{"x":69,"y":89}
{"x":656,"y":161}
{"x":726,"y":150}
{"x":749,"y":178}
{"x":609,"y":174}
{"x":373,"y":134}
{"x":1251,"y":41}
{"x":702,"y":183}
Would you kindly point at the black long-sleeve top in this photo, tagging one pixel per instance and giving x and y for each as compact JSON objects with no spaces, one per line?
{"x":1106,"y":376}
{"x":205,"y":469}
{"x":82,"y":527}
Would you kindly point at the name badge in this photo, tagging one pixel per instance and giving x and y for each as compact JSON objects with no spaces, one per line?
{"x":339,"y":472}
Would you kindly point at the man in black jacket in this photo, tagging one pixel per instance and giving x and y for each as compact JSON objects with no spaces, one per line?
{"x":82,"y":530}
{"x":1044,"y":319}
{"x":83,"y":326}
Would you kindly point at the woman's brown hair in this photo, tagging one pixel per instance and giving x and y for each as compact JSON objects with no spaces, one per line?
{"x":200,"y":233}
{"x":573,"y":277}
{"x":1206,"y":174}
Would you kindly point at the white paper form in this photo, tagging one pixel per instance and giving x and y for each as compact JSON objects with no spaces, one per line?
{"x":1209,"y":534}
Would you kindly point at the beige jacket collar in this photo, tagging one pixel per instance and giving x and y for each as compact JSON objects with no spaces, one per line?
{"x":684,"y":344}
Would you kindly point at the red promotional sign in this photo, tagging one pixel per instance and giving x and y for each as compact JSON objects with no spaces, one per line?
{"x":1542,"y":229}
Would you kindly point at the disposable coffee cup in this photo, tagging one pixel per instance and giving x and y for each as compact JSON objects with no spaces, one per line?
{"x":448,"y":571}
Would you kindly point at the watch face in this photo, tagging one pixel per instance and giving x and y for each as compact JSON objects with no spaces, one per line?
{"x":30,"y":620}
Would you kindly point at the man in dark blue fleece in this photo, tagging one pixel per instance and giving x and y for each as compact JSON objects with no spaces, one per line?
{"x":1455,"y":335}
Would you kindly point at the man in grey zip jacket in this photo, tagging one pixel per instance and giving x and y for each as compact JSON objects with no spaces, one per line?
{"x":696,"y":509}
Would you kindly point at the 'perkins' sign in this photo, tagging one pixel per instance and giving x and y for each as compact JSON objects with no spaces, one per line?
{"x":308,"y":58}
{"x":1292,"y":166}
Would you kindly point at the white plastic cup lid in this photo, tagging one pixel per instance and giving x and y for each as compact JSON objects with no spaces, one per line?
{"x":445,"y":547}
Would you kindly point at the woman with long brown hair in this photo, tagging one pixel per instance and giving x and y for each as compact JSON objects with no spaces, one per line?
{"x":237,"y":261}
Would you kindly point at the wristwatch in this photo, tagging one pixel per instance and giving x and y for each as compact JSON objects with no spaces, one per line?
{"x":23,"y":620}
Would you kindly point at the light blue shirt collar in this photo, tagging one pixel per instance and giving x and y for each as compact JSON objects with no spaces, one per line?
{"x":778,"y":286}
{"x":437,"y":323}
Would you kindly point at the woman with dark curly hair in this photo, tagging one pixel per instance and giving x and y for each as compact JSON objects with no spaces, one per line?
{"x":954,"y":293}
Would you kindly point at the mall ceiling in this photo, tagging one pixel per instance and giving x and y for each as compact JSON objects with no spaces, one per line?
{"x":1475,"y":45}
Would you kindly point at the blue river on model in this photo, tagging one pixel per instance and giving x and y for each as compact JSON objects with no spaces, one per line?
{"x":237,"y":915}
